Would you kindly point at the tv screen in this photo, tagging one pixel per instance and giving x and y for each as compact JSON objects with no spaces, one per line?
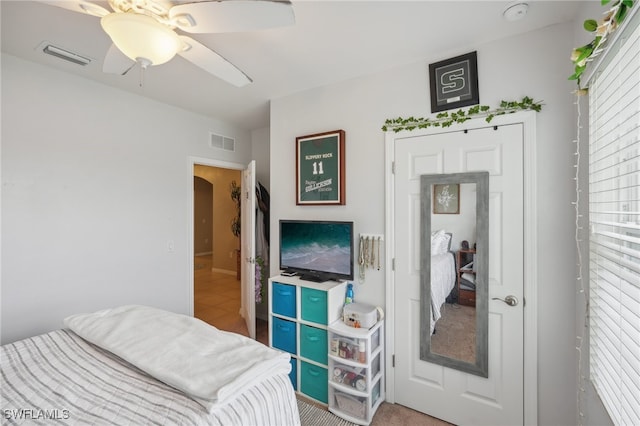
{"x":317,"y":250}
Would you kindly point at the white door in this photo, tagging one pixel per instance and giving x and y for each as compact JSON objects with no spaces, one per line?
{"x":248,"y":248}
{"x":441,"y":392}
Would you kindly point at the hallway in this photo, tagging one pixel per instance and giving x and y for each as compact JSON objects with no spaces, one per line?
{"x":217,"y":300}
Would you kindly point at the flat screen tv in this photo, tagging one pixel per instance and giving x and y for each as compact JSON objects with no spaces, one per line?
{"x":317,"y":250}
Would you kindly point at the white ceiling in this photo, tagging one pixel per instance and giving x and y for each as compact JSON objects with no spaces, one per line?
{"x":332,"y":41}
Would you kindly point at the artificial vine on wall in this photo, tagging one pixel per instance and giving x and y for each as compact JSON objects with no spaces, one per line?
{"x":446,"y":119}
{"x":601,"y":29}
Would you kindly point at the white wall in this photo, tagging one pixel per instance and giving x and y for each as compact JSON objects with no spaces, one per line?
{"x":260,"y":146}
{"x":95,"y":187}
{"x":535,"y":64}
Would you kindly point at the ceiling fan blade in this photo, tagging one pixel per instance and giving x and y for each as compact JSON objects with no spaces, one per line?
{"x":210,"y":61}
{"x":81,"y":6}
{"x":116,"y":62}
{"x":231,"y":15}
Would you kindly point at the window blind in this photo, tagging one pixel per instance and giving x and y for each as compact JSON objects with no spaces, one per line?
{"x":614,"y":216}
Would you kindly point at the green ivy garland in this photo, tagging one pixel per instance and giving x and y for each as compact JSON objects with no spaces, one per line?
{"x":612,"y":19}
{"x":446,"y":119}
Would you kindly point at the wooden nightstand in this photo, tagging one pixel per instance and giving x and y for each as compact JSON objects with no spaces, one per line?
{"x":466,"y":295}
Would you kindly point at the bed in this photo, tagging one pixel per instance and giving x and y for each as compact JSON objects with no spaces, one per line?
{"x":140,"y":365}
{"x":443,"y":273}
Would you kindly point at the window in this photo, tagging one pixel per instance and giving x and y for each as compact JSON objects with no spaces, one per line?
{"x":614,"y":212}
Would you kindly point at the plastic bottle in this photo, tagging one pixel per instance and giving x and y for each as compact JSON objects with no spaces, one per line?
{"x":349,"y":297}
{"x":362,"y":349}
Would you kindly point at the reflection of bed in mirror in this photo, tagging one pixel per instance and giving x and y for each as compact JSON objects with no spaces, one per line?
{"x":462,"y":325}
{"x":443,"y":273}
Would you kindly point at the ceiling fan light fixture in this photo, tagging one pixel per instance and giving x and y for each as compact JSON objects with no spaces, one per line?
{"x":141,"y":37}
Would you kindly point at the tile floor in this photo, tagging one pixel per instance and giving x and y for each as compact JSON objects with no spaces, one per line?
{"x":217,"y":300}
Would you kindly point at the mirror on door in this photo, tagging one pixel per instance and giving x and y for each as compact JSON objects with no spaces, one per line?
{"x":454,"y":219}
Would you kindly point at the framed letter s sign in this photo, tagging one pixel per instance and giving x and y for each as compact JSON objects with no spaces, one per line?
{"x":454,"y":82}
{"x":320,"y":169}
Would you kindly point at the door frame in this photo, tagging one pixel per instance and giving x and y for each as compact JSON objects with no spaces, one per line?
{"x":192,"y":161}
{"x":528,"y":119}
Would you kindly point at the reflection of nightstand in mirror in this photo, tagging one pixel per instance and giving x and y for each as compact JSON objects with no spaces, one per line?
{"x":466,"y":277}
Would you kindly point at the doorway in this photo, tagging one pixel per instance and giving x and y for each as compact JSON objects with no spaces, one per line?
{"x":216,"y":280}
{"x":217,"y":290}
{"x":435,"y":389}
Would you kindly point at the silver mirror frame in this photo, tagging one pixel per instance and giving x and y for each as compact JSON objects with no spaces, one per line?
{"x":481,"y":179}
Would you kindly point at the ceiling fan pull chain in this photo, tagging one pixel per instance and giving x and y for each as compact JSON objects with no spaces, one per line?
{"x":144,"y":64}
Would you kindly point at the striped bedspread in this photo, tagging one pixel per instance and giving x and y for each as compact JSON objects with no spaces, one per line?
{"x":59,"y":378}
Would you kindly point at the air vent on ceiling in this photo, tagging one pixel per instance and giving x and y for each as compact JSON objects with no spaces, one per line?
{"x":222,"y":142}
{"x":65,"y":54}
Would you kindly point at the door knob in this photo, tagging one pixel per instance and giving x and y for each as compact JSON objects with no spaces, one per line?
{"x":509,"y":300}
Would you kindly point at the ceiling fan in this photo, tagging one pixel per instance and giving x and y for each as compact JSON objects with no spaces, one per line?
{"x":144,"y":31}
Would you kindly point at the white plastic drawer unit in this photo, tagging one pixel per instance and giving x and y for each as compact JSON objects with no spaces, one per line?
{"x":356,"y":408}
{"x":356,"y":371}
{"x":346,"y":375}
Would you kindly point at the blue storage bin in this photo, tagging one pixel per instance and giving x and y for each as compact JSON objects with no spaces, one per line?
{"x":313,"y":381}
{"x":284,"y":299}
{"x":314,"y":305}
{"x":293,"y":374}
{"x":283,"y":335}
{"x":313,"y":343}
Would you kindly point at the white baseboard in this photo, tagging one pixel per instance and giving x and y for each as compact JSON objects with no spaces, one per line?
{"x":223,"y":271}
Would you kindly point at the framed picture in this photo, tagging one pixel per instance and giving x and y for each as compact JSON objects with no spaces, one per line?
{"x":320,"y":169}
{"x":454,"y":82}
{"x":446,"y":198}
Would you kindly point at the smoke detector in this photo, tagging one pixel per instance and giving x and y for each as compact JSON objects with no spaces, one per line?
{"x":515,"y":12}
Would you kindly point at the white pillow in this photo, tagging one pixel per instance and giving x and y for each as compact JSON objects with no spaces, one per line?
{"x":439,"y":242}
{"x":182,"y":351}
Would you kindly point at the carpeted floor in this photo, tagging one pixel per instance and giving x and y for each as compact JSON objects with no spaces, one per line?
{"x":455,"y":335}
